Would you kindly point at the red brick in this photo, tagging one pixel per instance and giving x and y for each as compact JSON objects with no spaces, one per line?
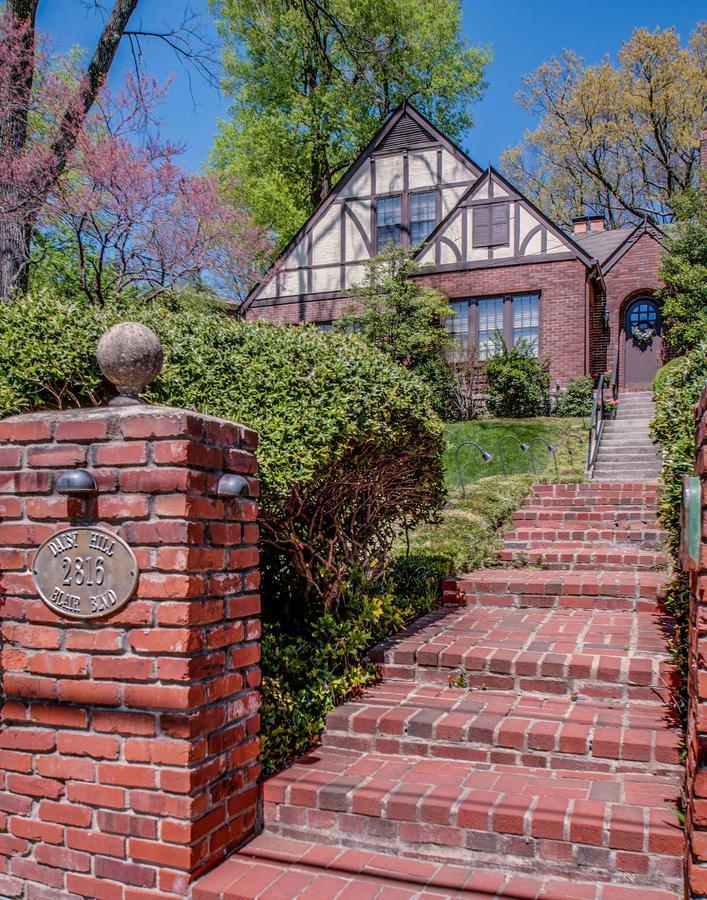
{"x":121,"y":453}
{"x":65,"y":813}
{"x":56,"y":456}
{"x":123,"y":722}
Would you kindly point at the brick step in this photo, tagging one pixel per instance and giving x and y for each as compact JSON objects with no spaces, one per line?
{"x":586,"y":516}
{"x":643,"y":537}
{"x":610,"y":491}
{"x":579,"y":502}
{"x":501,"y":727}
{"x":579,"y":555}
{"x":271,"y":866}
{"x":614,"y":826}
{"x":616,"y":590}
{"x":593,"y":654}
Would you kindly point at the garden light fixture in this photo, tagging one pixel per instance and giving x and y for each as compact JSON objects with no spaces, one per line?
{"x":523,"y":446}
{"x":487,"y":457}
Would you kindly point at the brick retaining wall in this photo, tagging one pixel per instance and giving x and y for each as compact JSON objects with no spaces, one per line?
{"x":128,"y":747}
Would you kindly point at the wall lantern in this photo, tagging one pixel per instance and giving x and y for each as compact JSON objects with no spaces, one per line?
{"x":76,"y":482}
{"x":233,"y":486}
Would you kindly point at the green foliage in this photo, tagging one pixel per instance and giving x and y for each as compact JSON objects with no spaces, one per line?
{"x":333,"y":413}
{"x":311,"y":83}
{"x":403,"y":319}
{"x":684,"y":271}
{"x":615,"y":138}
{"x":677,"y":388}
{"x":312,"y":665}
{"x":518,"y":381}
{"x":577,"y":398}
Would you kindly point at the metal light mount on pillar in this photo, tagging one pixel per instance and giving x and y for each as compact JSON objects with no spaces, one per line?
{"x":523,"y":446}
{"x":76,"y":483}
{"x":485,"y":454}
{"x":230,"y":486}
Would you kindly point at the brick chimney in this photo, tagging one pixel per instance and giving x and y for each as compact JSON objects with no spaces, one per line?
{"x":583,"y":224}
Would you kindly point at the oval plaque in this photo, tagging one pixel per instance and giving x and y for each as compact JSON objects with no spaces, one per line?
{"x":85,"y":573}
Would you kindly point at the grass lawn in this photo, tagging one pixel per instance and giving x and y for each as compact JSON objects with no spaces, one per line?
{"x":470,"y":528}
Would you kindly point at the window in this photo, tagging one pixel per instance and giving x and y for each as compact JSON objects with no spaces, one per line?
{"x":491,"y":225}
{"x":389,"y":228}
{"x":512,"y":318}
{"x":423,"y":216}
{"x":324,"y":326}
{"x":525,"y":320}
{"x":457,"y":327}
{"x":490,"y":322}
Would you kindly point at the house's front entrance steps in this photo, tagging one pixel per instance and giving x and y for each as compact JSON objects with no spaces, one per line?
{"x":519,"y":744}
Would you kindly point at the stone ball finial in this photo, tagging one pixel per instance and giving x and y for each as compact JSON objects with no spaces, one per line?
{"x":130,"y":356}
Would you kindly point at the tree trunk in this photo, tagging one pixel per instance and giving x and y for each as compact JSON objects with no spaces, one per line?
{"x":15,"y":236}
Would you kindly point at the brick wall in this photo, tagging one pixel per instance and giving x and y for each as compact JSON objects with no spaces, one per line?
{"x":635,"y":272}
{"x":562,"y":304}
{"x":128,"y":747}
{"x":696,"y":738}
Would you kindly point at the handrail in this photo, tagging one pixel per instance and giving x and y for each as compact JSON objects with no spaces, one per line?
{"x":617,"y":369}
{"x":596,"y":424}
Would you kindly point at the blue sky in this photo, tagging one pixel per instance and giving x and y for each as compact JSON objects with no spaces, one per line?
{"x":522,"y":34}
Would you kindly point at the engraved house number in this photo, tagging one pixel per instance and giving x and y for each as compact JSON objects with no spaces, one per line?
{"x":85,"y":573}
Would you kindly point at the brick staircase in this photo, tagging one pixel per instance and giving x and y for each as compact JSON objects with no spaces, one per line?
{"x":519,"y":744}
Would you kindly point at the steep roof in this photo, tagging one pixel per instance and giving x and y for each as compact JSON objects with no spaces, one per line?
{"x":610,"y":245}
{"x":601,"y":244}
{"x":579,"y":251}
{"x":405,"y":127}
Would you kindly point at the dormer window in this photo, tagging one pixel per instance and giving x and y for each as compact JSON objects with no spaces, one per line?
{"x":491,"y":225}
{"x":389,"y":225}
{"x":423,"y":216}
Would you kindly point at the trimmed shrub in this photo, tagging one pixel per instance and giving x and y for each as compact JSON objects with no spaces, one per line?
{"x":577,"y":398}
{"x":677,"y":388}
{"x":350,"y":447}
{"x":518,"y":382}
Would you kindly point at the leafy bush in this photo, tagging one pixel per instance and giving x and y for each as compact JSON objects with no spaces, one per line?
{"x":677,"y":387}
{"x":577,"y":398}
{"x":313,"y":665}
{"x":518,"y":382}
{"x":349,"y":445}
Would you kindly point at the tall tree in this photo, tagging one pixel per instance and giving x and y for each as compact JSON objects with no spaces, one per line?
{"x":312,"y":80}
{"x":618,"y":140}
{"x":42,"y":117}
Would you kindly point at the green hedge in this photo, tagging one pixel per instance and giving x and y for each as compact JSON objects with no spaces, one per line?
{"x":677,"y":388}
{"x":577,"y":398}
{"x":343,"y":429}
{"x":517,"y":382}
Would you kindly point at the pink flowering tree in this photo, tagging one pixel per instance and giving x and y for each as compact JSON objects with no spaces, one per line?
{"x":77,"y":165}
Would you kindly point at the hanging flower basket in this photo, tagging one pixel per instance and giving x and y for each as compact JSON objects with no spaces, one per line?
{"x":610,"y":407}
{"x":643,"y":336}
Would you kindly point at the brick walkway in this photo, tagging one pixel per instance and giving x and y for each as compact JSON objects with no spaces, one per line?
{"x":518,"y":745}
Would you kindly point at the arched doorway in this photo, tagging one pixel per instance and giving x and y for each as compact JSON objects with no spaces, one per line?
{"x":642,"y":334}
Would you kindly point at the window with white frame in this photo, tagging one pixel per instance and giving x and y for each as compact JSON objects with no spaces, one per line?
{"x":481,"y":321}
{"x":526,"y":321}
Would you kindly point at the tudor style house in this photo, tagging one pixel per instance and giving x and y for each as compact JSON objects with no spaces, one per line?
{"x":583,"y":299}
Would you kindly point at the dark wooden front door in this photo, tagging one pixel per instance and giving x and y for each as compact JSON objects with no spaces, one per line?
{"x":642,"y":332}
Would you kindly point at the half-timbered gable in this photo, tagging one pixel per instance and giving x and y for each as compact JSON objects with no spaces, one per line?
{"x":494,"y":224}
{"x":401,"y":187}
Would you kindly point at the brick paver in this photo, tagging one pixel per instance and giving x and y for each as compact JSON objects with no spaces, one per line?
{"x":519,"y":743}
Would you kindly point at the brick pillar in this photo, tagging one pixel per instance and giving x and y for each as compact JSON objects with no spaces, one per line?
{"x":128,"y":747}
{"x":696,"y":737}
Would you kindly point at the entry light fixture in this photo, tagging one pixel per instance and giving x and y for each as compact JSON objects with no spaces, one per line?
{"x":76,"y":482}
{"x":232,"y":486}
